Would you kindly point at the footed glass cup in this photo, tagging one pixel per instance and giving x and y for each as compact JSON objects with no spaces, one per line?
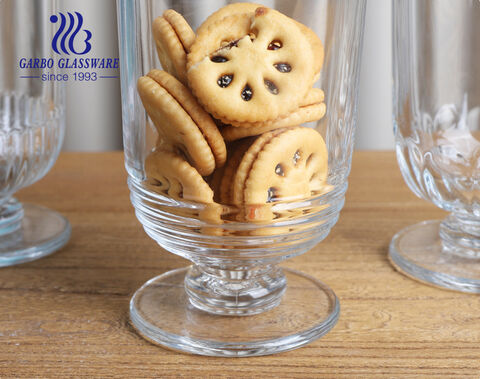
{"x":437,"y":129}
{"x":235,"y":300}
{"x":32,"y":126}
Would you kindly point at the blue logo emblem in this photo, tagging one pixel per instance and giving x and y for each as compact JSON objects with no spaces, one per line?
{"x":67,"y":38}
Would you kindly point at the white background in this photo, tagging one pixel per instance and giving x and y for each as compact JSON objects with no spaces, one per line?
{"x":94,"y":111}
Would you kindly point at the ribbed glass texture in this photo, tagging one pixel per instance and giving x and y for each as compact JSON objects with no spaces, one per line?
{"x":31,"y":135}
{"x":31,"y":110}
{"x":437,"y":101}
{"x":32,"y":127}
{"x":176,"y":225}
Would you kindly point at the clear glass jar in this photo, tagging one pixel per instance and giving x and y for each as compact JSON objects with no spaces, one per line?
{"x":235,"y":246}
{"x":437,"y":124}
{"x":32,"y":127}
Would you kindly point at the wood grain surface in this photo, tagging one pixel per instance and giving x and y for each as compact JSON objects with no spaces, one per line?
{"x":67,"y":315}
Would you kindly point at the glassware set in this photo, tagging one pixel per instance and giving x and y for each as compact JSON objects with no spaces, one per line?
{"x":235,"y":299}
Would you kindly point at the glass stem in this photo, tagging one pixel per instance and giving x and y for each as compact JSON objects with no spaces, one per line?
{"x":238,"y":292}
{"x":461,"y":236}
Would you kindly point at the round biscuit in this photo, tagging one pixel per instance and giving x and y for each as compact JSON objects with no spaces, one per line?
{"x":235,"y":8}
{"x":264,"y":83}
{"x":183,"y":30}
{"x":246,"y":163}
{"x":176,"y":178}
{"x":175,"y":125}
{"x":170,"y":50}
{"x":203,"y":120}
{"x":308,"y":113}
{"x":291,"y":166}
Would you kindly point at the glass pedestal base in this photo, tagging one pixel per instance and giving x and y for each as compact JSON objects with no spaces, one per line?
{"x":417,"y":251}
{"x":40,"y":232}
{"x":162,"y":313}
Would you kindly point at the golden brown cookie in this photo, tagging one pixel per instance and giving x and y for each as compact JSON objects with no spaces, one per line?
{"x":261,"y":74}
{"x":246,"y":163}
{"x":313,"y":110}
{"x":175,"y":126}
{"x":302,"y":115}
{"x":203,"y":120}
{"x":239,"y":8}
{"x":183,"y":30}
{"x":173,"y":176}
{"x":289,"y":167}
{"x":173,"y":38}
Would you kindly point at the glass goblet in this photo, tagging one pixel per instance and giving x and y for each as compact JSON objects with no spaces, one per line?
{"x":436,"y":61}
{"x":235,"y":300}
{"x":32,"y":126}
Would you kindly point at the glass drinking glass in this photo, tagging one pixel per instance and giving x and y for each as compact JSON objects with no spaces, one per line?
{"x":235,"y":300}
{"x":437,"y":128}
{"x":32,"y":125}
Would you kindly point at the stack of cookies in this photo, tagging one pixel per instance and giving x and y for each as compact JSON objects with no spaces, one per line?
{"x":228,"y":106}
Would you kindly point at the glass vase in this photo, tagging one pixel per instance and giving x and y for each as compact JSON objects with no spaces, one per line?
{"x":235,"y":300}
{"x":436,"y":124}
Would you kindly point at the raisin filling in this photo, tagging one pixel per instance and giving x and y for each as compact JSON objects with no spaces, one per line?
{"x":296,"y":157}
{"x":283,"y":67}
{"x":279,"y":170}
{"x":233,"y":44}
{"x":271,"y":194}
{"x":271,"y":87}
{"x":225,"y":80}
{"x":247,"y":93}
{"x":229,"y":45}
{"x":218,"y":59}
{"x":275,"y":45}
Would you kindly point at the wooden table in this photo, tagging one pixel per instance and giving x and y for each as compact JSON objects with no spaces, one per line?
{"x":67,"y":315}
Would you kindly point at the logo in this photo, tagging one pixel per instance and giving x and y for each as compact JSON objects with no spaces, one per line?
{"x":65,"y":40}
{"x":70,"y":39}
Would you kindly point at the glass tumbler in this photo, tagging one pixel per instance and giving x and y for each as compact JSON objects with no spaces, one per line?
{"x":32,"y":125}
{"x":235,"y":300}
{"x":436,"y":61}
